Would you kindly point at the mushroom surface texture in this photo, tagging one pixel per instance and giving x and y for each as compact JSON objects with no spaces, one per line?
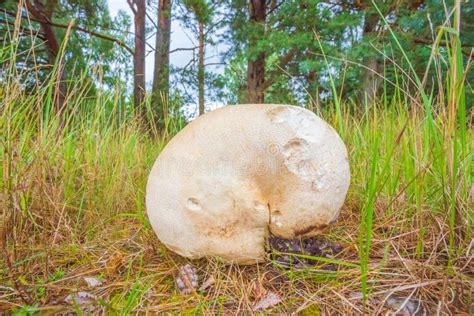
{"x":236,"y":174}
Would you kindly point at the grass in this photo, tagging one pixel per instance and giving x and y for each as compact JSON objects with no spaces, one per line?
{"x":72,"y":202}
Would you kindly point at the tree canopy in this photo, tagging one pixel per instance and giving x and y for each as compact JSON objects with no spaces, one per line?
{"x":296,"y":52}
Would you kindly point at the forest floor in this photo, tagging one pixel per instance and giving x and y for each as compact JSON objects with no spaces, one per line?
{"x":75,"y":236}
{"x":118,"y":266}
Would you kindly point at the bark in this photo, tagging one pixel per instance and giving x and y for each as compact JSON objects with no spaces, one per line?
{"x":162,"y":62}
{"x":74,"y":27}
{"x":313,"y":93}
{"x":370,"y":80}
{"x":139,"y":11}
{"x":256,"y":67}
{"x":201,"y":68}
{"x":43,"y":14}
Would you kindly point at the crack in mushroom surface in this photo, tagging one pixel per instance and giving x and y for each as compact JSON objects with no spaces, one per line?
{"x":236,"y":174}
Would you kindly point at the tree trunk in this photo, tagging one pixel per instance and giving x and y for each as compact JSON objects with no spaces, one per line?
{"x":139,"y":11}
{"x":201,"y":68}
{"x":44,"y":17}
{"x":370,"y":80}
{"x":313,"y":92}
{"x":256,"y":67}
{"x":162,"y":62}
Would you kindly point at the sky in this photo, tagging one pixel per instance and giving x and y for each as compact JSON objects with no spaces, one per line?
{"x":180,"y":38}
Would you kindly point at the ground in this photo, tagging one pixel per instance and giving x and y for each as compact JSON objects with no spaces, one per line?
{"x":136,"y":274}
{"x":72,"y":207}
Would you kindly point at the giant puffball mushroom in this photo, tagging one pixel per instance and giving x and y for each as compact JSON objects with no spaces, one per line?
{"x":236,"y":174}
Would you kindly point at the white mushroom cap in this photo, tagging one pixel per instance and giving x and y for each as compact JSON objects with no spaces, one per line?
{"x":235,"y":174}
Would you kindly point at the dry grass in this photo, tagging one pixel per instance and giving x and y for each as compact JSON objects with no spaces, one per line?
{"x":73,"y":208}
{"x":138,"y":273}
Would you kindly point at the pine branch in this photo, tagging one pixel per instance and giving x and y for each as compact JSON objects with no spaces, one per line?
{"x":80,"y":29}
{"x":284,"y":60}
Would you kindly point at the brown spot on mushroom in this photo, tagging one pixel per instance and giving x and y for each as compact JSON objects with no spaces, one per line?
{"x":193,"y":204}
{"x":224,"y":230}
{"x":276,"y":212}
{"x":275,"y":113}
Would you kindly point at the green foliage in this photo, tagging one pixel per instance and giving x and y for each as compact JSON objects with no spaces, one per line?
{"x":98,"y":60}
{"x":58,"y":274}
{"x":201,"y":9}
{"x":26,"y":310}
{"x":349,"y":34}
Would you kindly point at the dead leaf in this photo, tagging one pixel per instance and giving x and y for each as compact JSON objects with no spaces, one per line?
{"x":356,"y":295}
{"x":80,"y":298}
{"x":207,"y":284}
{"x":259,"y":291}
{"x":398,"y":304}
{"x":114,"y":262}
{"x":271,"y":299}
{"x":187,"y":279}
{"x":312,"y":246}
{"x":404,"y":306}
{"x":92,"y":282}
